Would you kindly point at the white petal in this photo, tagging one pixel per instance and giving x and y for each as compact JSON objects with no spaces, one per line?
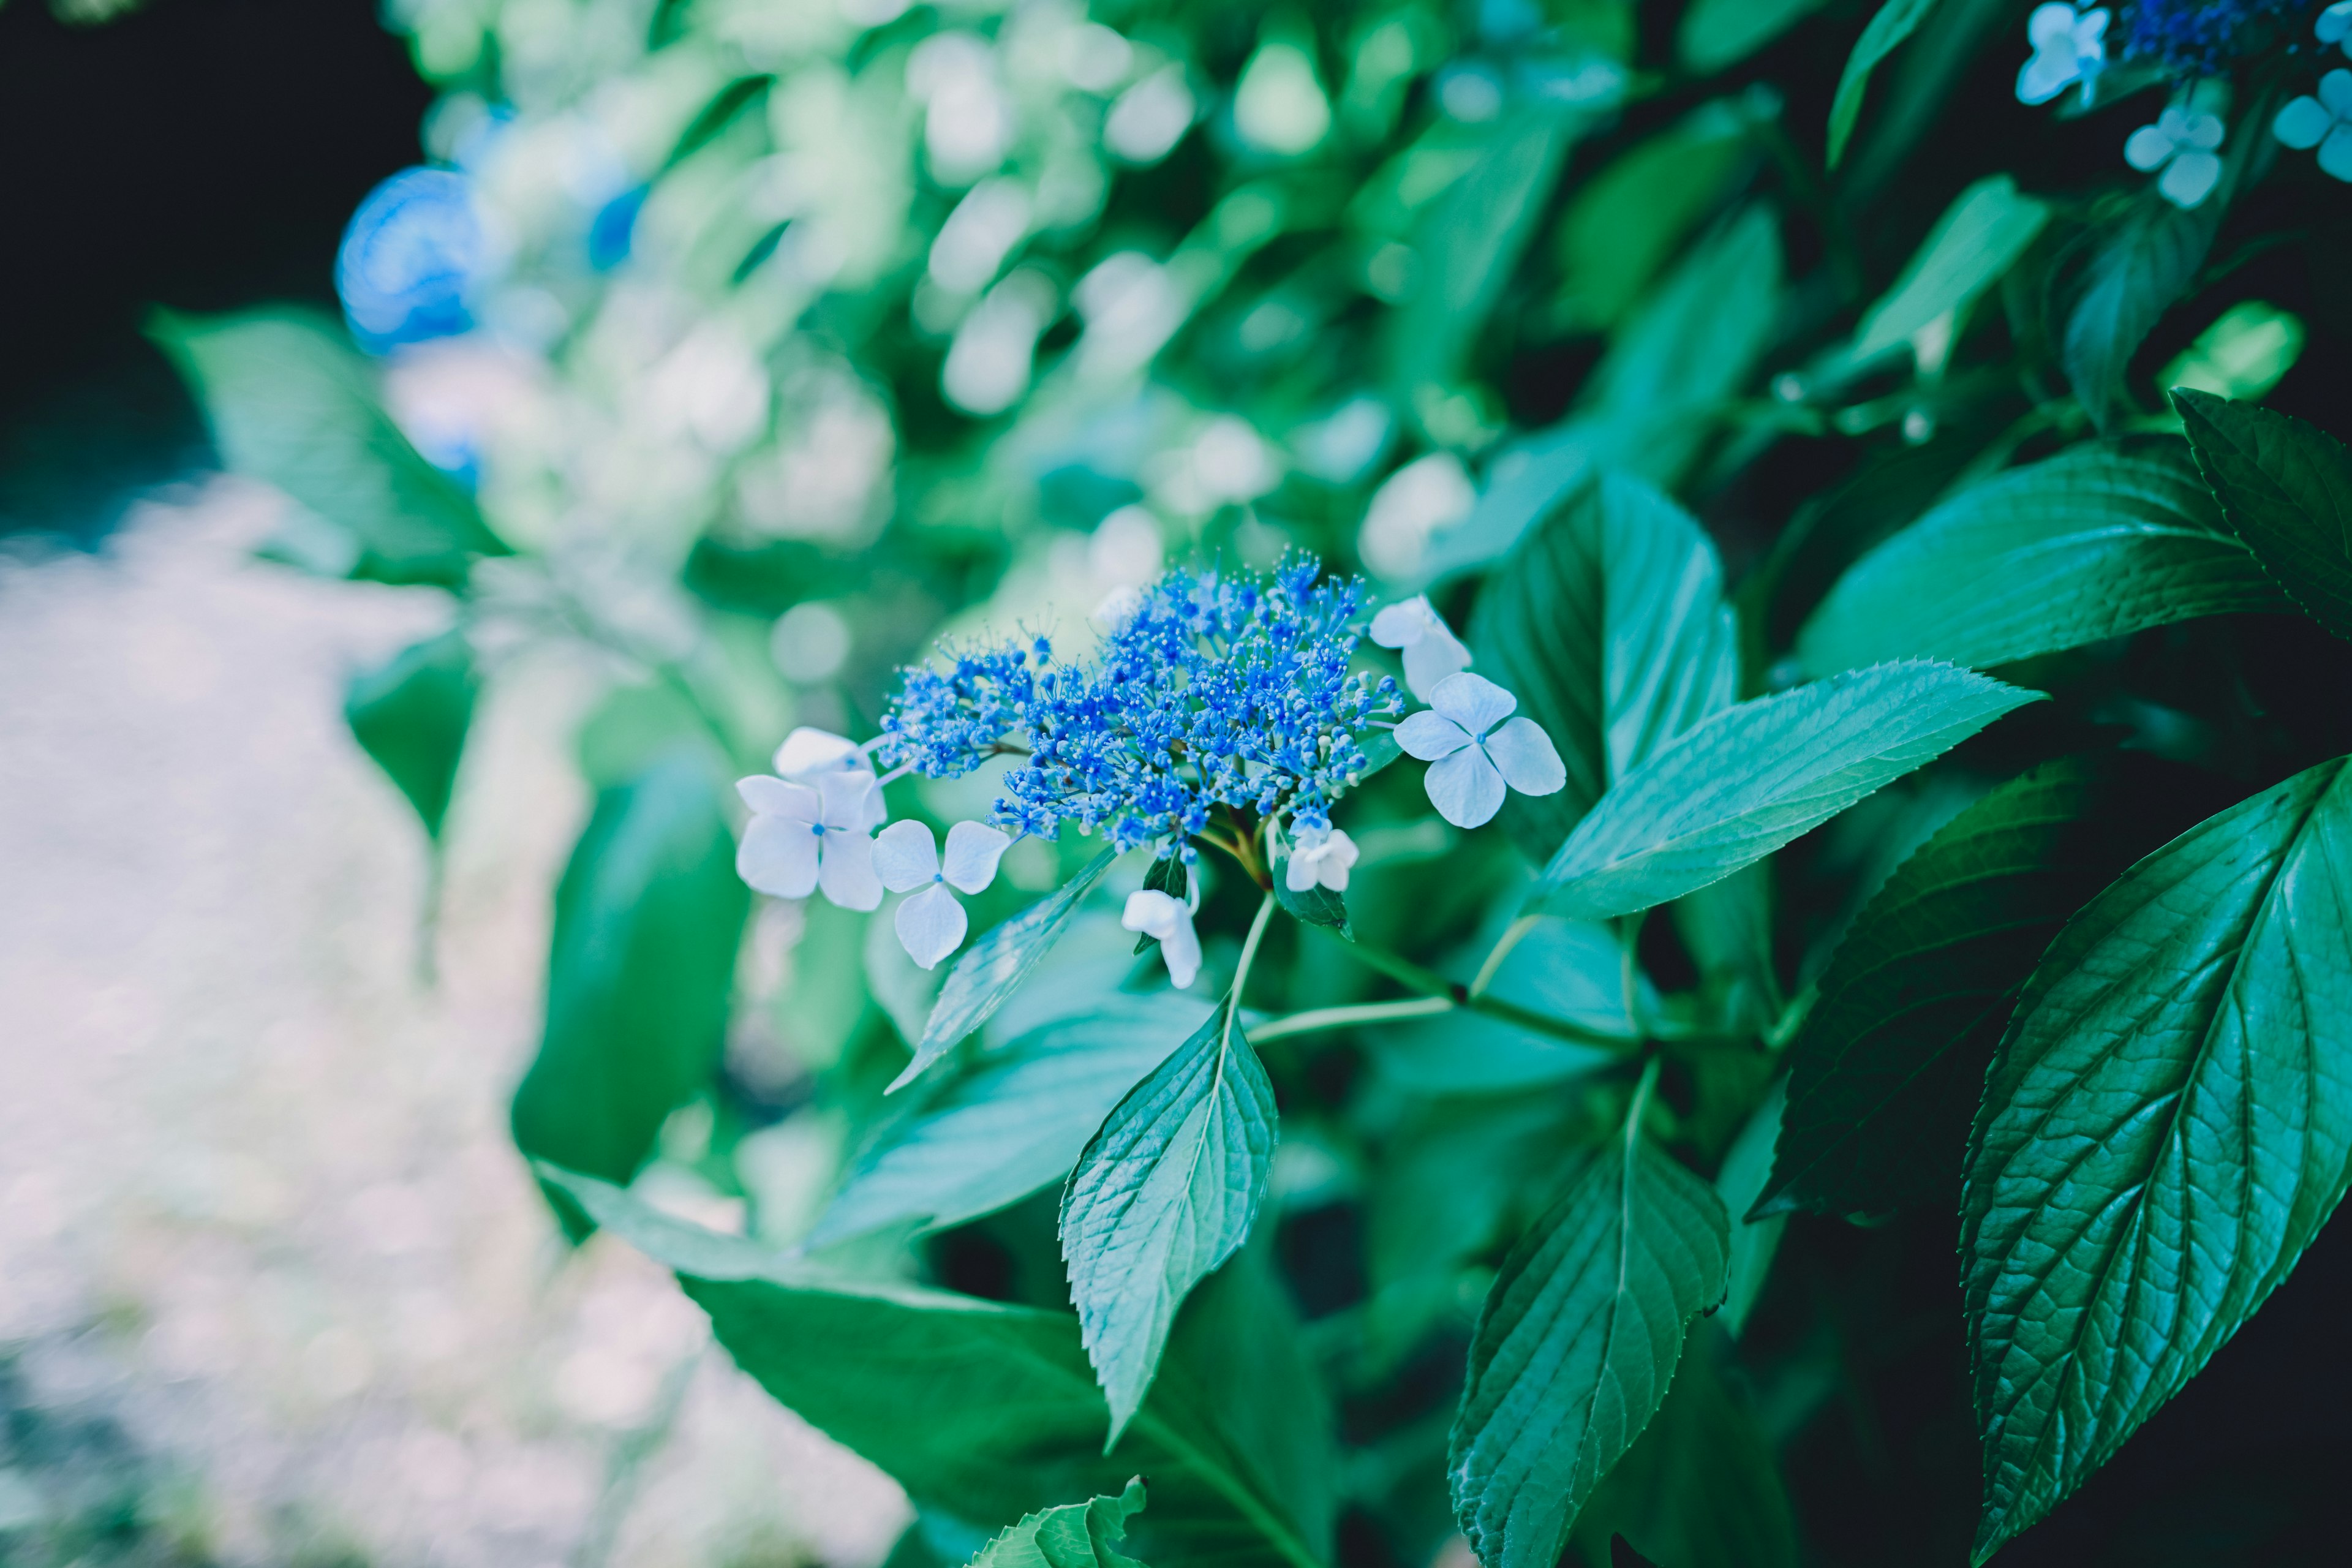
{"x":2091,"y":37}
{"x":2335,"y":152}
{"x":846,"y":870}
{"x":1431,"y":659}
{"x":1466,"y":788}
{"x":1119,"y":609}
{"x":2046,"y":76}
{"x":2335,"y":93}
{"x":2201,"y":132}
{"x":2146,"y":147}
{"x":1181,"y":949}
{"x":1154,"y":913}
{"x":1527,"y":759}
{"x":1429,"y":736}
{"x":973,"y":850}
{"x":905,"y":857}
{"x":2051,"y":26}
{"x":1472,"y":701}
{"x":931,"y":925}
{"x":778,"y":857}
{"x":1332,"y":865}
{"x":1404,"y":624}
{"x":2191,"y":179}
{"x":2303,"y":123}
{"x":807,"y":750}
{"x":1300,"y":874}
{"x":849,"y":800}
{"x":774,"y":797}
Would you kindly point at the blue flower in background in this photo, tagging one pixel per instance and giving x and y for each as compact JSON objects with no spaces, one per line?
{"x":2068,"y":47}
{"x":2324,"y":122}
{"x":614,"y":229}
{"x":2203,"y":35}
{"x":409,"y":260}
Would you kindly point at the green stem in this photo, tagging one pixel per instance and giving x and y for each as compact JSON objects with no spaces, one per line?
{"x":1241,"y":970}
{"x":1429,"y":982}
{"x":1640,"y":1102}
{"x":1316,"y":1019}
{"x":1502,"y":950}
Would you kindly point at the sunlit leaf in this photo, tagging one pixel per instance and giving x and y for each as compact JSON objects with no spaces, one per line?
{"x":1718,"y":33}
{"x":1980,"y":236}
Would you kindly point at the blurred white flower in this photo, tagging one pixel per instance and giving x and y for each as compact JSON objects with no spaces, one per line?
{"x":978,"y":235}
{"x":993,"y":351}
{"x":1095,"y":59}
{"x":1118,"y":608}
{"x":1320,"y":858}
{"x":932,"y":924}
{"x":1149,"y":119}
{"x":2069,"y":45}
{"x":811,"y":643}
{"x":1132,"y":309}
{"x":2324,"y":122}
{"x":1474,"y":749}
{"x":1432,"y":652}
{"x":1279,"y":104}
{"x":1426,"y":495}
{"x":2181,"y":143}
{"x":801,"y":839}
{"x":1168,"y":921}
{"x":1126,"y":547}
{"x":967,"y":120}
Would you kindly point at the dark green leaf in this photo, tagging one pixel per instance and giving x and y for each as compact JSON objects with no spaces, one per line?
{"x":1718,"y":33}
{"x":1753,"y":777}
{"x":1608,"y":624}
{"x":1892,"y":23}
{"x":639,"y":971}
{"x":1980,"y":236}
{"x":2100,"y":540}
{"x":1577,"y":1343}
{"x":291,"y":405}
{"x":1622,"y":1554}
{"x":992,"y":968}
{"x":2288,"y":490}
{"x":1885,"y":1074}
{"x":2139,"y":267}
{"x":410,"y":713}
{"x":2167,"y":1126}
{"x":1624,"y":223}
{"x":1012,"y":1122}
{"x":1164,"y":1193}
{"x":979,"y":1409}
{"x":1746,"y":1164}
{"x":1075,"y":1536}
{"x":1726,"y":929}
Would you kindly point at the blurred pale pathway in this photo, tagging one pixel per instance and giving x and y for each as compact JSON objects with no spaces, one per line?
{"x":257,"y":1200}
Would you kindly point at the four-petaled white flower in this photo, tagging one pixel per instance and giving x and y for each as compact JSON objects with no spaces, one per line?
{"x":2069,"y":45}
{"x":802,"y":838}
{"x":2324,"y":123}
{"x":2335,"y":25}
{"x":931,"y":923}
{"x":1432,"y":651}
{"x":1473,"y":753}
{"x":1319,"y":857}
{"x":1169,"y":919}
{"x":809,"y":756}
{"x":2182,"y":143}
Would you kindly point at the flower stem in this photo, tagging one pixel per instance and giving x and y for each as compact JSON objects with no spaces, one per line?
{"x":1241,"y":970}
{"x":1502,"y":950}
{"x":1430,"y":983}
{"x":1316,"y":1019}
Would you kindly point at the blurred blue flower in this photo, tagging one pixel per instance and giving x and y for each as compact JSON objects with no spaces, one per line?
{"x":2068,"y":47}
{"x":614,"y":229}
{"x":409,"y":260}
{"x":2182,"y":144}
{"x":2324,"y":122}
{"x":2203,"y":35}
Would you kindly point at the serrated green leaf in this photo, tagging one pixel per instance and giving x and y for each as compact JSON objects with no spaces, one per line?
{"x":2168,"y":1124}
{"x":1891,"y":24}
{"x":1576,"y":1343}
{"x":1608,"y":624}
{"x":1886,"y":1073}
{"x":2286,"y":487}
{"x":1162,"y":1194}
{"x":640,"y":968}
{"x":1747,"y":1167}
{"x":1075,"y":1536}
{"x":992,"y":968}
{"x":410,"y":714}
{"x":1016,"y":1120}
{"x":2139,"y":267}
{"x":2105,"y":539}
{"x":290,"y":404}
{"x":979,"y":1409}
{"x":1753,"y":777}
{"x":1980,"y":236}
{"x":1718,"y":33}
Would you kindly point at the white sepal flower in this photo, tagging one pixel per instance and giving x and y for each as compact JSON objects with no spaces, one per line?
{"x":801,"y":839}
{"x":2069,"y":45}
{"x":1432,"y":651}
{"x":1169,"y":919}
{"x":1320,"y":857}
{"x":932,"y":924}
{"x":1473,"y":752}
{"x":1118,"y":608}
{"x":809,"y":756}
{"x":2324,"y":123}
{"x":2181,"y":143}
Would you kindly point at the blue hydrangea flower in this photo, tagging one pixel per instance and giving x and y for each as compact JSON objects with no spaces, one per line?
{"x":2203,"y":37}
{"x":1216,"y":692}
{"x":2335,"y":25}
{"x":2324,"y":123}
{"x":2069,"y":45}
{"x":409,"y":260}
{"x":2182,"y":144}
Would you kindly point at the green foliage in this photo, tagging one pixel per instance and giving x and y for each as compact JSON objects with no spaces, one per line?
{"x":2136,"y":268}
{"x":410,"y":714}
{"x":1718,"y":33}
{"x":1980,"y":237}
{"x":1890,"y":26}
{"x":2288,"y":490}
{"x":2165,"y":1129}
{"x":1074,"y":1535}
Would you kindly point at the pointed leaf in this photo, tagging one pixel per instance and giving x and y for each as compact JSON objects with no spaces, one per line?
{"x":411,"y":713}
{"x":2168,"y":1124}
{"x":1075,"y":1536}
{"x":1577,"y":1343}
{"x":1608,"y":624}
{"x":1718,"y":33}
{"x":979,"y":1409}
{"x":1747,"y":1166}
{"x":1894,"y":21}
{"x":2139,"y":266}
{"x":2286,"y":487}
{"x":1748,"y":779}
{"x":992,"y":968}
{"x":1980,"y":236}
{"x":1885,"y":1074}
{"x":2100,"y":540}
{"x":1165,"y":1192}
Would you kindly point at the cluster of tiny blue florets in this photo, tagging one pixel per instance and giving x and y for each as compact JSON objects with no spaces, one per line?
{"x":2203,"y":35}
{"x":1215,"y":691}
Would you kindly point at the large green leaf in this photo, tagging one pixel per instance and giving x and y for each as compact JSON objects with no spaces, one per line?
{"x":1577,"y":1343}
{"x":1755,"y":1239}
{"x":1753,"y":777}
{"x":1608,"y":624}
{"x":1164,"y":1193}
{"x":1718,"y":33}
{"x":2100,"y":540}
{"x":982,"y":1410}
{"x":1014,"y":1121}
{"x":992,"y":968}
{"x":1980,"y":236}
{"x":1624,"y":224}
{"x":2136,"y":269}
{"x":1075,"y":1536}
{"x":1889,"y":26}
{"x":640,"y":967}
{"x":291,"y":405}
{"x":1884,"y":1077}
{"x":2167,"y":1126}
{"x":411,"y":713}
{"x":2286,"y":487}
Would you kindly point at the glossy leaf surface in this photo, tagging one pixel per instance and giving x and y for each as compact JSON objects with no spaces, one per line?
{"x":2287,"y":488}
